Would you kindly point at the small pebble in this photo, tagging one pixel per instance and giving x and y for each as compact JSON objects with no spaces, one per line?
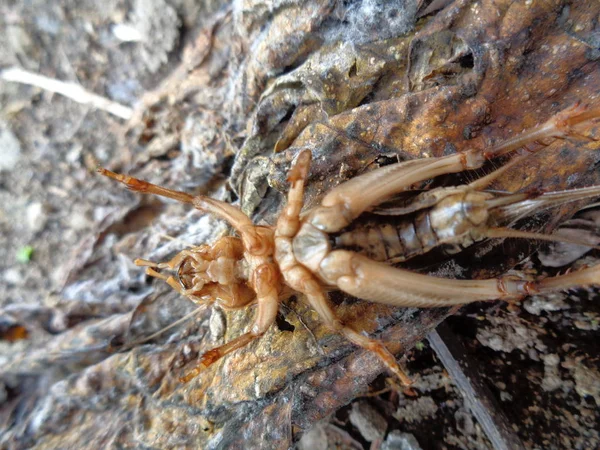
{"x":10,"y":148}
{"x":216,"y":324}
{"x":12,"y":276}
{"x":397,"y":440}
{"x":36,"y":217}
{"x":368,"y":421}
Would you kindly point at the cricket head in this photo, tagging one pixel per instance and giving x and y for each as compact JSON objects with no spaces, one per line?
{"x":206,"y":274}
{"x":186,"y":273}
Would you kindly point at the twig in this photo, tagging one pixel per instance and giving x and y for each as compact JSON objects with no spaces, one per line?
{"x":477,"y":397}
{"x":179,"y":321}
{"x":73,"y":91}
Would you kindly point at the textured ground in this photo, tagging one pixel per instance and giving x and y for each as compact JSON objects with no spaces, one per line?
{"x":223,"y":96}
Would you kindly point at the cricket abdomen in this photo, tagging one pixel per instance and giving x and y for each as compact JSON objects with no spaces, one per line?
{"x":385,"y":241}
{"x":456,"y":219}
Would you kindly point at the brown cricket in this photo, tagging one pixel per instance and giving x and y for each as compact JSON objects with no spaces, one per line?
{"x":315,"y":252}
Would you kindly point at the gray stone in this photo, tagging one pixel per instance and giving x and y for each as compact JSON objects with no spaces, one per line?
{"x":10,"y":148}
{"x":368,"y":421}
{"x":36,"y":217}
{"x":397,"y":440}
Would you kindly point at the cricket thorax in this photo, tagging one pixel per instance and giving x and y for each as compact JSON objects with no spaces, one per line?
{"x":310,"y":246}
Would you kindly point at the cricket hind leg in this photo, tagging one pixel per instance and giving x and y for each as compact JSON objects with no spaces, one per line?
{"x":584,"y":277}
{"x":566,"y":123}
{"x":493,"y":233}
{"x":300,"y":279}
{"x":364,"y":278}
{"x":304,"y":282}
{"x":350,"y":199}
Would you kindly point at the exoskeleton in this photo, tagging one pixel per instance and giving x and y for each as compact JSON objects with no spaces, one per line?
{"x":324,"y":248}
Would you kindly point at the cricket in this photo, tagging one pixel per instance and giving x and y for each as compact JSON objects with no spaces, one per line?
{"x":327,"y":248}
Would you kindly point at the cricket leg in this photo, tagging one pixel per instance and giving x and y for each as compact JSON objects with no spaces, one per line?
{"x":253,"y":242}
{"x":301,"y":280}
{"x":288,"y":222}
{"x":584,"y":277}
{"x":174,"y":262}
{"x":350,"y":199}
{"x":320,"y":303}
{"x":378,"y":282}
{"x":493,"y":233}
{"x":266,"y":286}
{"x":570,"y":121}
